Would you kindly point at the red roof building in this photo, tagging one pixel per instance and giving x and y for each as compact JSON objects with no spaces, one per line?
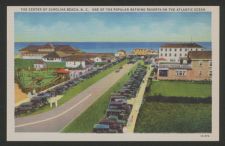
{"x":62,"y":71}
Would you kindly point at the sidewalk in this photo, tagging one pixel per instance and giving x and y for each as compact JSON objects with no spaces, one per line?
{"x":136,"y":102}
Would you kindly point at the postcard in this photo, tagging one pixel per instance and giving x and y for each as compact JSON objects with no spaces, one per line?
{"x":113,"y":73}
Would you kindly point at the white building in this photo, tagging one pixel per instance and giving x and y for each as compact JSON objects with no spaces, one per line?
{"x":52,"y":57}
{"x":97,"y":59}
{"x":172,"y":52}
{"x":77,"y":73}
{"x":75,"y":62}
{"x":39,"y":64}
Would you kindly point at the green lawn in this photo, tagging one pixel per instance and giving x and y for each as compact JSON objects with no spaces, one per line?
{"x":79,"y":88}
{"x":180,"y":88}
{"x":29,"y":63}
{"x":24,"y":63}
{"x":56,"y":64}
{"x":28,"y":78}
{"x":86,"y":121}
{"x":156,"y":117}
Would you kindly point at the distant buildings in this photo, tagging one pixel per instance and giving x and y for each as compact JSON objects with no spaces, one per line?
{"x":196,"y":66}
{"x":172,"y":52}
{"x":40,"y":51}
{"x":72,"y":57}
{"x":75,"y":62}
{"x":121,"y":53}
{"x":144,"y":52}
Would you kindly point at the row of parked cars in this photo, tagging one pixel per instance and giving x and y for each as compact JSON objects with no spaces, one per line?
{"x":41,"y":99}
{"x":118,"y":109}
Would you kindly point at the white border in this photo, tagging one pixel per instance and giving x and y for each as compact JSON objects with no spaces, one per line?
{"x":19,"y":136}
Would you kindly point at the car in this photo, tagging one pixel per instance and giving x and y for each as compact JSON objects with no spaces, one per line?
{"x":116,"y":119}
{"x":25,"y":108}
{"x":102,"y":128}
{"x":113,"y":124}
{"x":39,"y":101}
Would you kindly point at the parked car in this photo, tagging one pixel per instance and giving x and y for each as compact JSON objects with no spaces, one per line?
{"x":25,"y":108}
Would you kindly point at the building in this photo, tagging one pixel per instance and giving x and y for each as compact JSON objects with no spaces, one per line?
{"x":39,"y":51}
{"x":56,"y":56}
{"x":121,"y":53}
{"x":144,"y":52}
{"x":75,"y":62}
{"x":197,"y":66}
{"x":172,"y":52}
{"x":39,"y":64}
{"x":97,"y":59}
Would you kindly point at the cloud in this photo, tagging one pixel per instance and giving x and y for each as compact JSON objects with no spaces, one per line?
{"x":98,"y":30}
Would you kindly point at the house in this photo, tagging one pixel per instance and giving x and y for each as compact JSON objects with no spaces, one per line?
{"x":197,"y":66}
{"x":75,"y":62}
{"x":172,"y":52}
{"x":201,"y":64}
{"x":62,"y":73}
{"x":39,"y":51}
{"x":121,"y":53}
{"x":144,"y":52}
{"x":97,"y":59}
{"x":57,"y":56}
{"x":39,"y":64}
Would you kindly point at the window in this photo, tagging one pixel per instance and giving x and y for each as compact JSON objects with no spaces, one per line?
{"x":161,"y":54}
{"x":185,"y":54}
{"x":200,"y":73}
{"x":165,"y":49}
{"x":170,"y":54}
{"x":180,"y":72}
{"x":175,"y":54}
{"x":180,"y":49}
{"x":186,"y":50}
{"x":166,"y":54}
{"x":180,"y":55}
{"x":210,"y":74}
{"x":210,"y":63}
{"x":161,"y":49}
{"x":200,"y":63}
{"x":163,"y":73}
{"x":175,"y":50}
{"x":170,"y":49}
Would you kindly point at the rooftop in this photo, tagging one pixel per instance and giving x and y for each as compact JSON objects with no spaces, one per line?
{"x":181,"y":45}
{"x":200,"y":55}
{"x":35,"y":48}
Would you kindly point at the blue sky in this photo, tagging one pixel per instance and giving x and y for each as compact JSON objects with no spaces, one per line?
{"x":112,"y":27}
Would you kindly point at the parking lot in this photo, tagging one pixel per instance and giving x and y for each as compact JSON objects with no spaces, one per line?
{"x":119,"y":109}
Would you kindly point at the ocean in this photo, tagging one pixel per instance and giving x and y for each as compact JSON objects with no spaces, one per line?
{"x":105,"y":47}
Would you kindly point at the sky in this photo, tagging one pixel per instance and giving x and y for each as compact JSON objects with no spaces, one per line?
{"x":113,"y":27}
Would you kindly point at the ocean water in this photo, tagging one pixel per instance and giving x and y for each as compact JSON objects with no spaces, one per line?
{"x":105,"y":47}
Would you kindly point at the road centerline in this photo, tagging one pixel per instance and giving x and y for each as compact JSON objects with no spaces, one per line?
{"x":55,"y":117}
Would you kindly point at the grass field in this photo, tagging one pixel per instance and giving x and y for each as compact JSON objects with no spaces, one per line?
{"x":179,"y":88}
{"x":86,"y":121}
{"x":79,"y":88}
{"x":29,"y":63}
{"x":28,"y":78}
{"x":156,"y":117}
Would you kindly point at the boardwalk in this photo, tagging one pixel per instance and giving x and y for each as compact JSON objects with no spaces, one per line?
{"x":136,"y":102}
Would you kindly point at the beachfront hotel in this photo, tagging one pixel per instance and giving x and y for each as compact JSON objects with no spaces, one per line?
{"x":172,"y":52}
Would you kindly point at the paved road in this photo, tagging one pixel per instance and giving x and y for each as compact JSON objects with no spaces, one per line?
{"x":56,"y":119}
